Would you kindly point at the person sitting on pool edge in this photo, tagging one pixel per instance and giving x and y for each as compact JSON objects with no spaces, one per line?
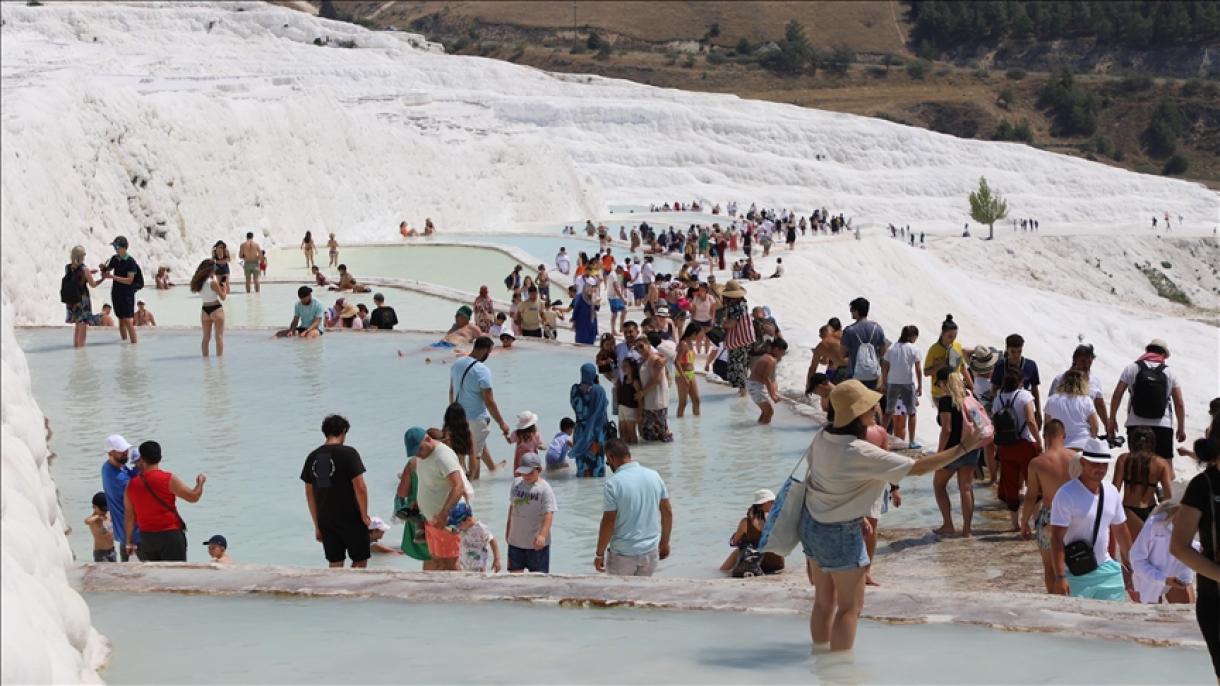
{"x":306,"y":317}
{"x":347,"y":282}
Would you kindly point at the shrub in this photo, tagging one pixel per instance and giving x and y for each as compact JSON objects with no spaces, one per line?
{"x":744,"y":47}
{"x":713,"y":31}
{"x":457,"y":45}
{"x":877,"y":72}
{"x":918,"y":69}
{"x":594,"y":41}
{"x":690,"y":62}
{"x":1015,"y":74}
{"x":889,"y":59}
{"x":716,"y":58}
{"x":1007,"y":97}
{"x":603,"y":52}
{"x":1176,"y":166}
{"x":1073,"y":109}
{"x":1133,"y":84}
{"x":578,"y":49}
{"x":794,"y":56}
{"x":1192,"y":88}
{"x":1006,"y":131}
{"x":839,"y":59}
{"x":1161,"y":137}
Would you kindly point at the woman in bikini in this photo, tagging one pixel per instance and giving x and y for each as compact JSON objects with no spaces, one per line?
{"x":684,"y":361}
{"x":1136,"y":476}
{"x":308,"y":248}
{"x":207,"y":284}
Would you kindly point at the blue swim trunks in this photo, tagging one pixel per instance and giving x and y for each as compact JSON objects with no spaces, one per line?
{"x":442,"y":344}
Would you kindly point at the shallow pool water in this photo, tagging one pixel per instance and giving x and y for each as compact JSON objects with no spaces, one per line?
{"x":273,"y":306}
{"x":200,"y":639}
{"x":249,"y":419}
{"x":544,"y":248}
{"x":465,"y":268}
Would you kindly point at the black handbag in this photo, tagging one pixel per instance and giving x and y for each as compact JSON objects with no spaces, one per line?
{"x":1079,"y":555}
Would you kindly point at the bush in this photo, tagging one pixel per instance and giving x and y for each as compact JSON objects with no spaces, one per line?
{"x":839,"y":59}
{"x":1073,"y":109}
{"x":690,"y":62}
{"x":603,"y":52}
{"x":889,"y":59}
{"x":1176,"y":166}
{"x":1129,"y":85}
{"x":1015,"y":74}
{"x":744,"y":47}
{"x":457,"y":46}
{"x":1007,"y":97}
{"x":878,"y":72}
{"x":1161,"y":137}
{"x":716,"y":58}
{"x":1006,"y":131}
{"x":713,"y":31}
{"x":594,"y":41}
{"x":1192,"y":88}
{"x":578,"y":49}
{"x":918,"y":69}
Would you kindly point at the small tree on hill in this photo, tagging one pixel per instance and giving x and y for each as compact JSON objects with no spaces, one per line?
{"x":987,"y":207}
{"x":327,"y":10}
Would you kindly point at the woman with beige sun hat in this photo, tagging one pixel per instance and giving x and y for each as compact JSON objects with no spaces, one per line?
{"x":847,"y":474}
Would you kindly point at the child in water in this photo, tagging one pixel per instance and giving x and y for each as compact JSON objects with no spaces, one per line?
{"x":377,"y":529}
{"x":526,"y":436}
{"x":476,"y":540}
{"x":262,"y":261}
{"x":218,"y":549}
{"x":561,"y":443}
{"x":102,"y":529}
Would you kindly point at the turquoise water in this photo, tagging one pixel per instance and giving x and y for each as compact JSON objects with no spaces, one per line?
{"x":544,"y":248}
{"x":249,"y":419}
{"x":273,"y":306}
{"x":200,"y":639}
{"x":459,"y":267}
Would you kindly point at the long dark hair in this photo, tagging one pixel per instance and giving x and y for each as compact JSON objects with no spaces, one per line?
{"x":202,"y":273}
{"x":855,"y":428}
{"x":224,"y":250}
{"x":308,"y":237}
{"x":1138,"y":467}
{"x":909,"y":333}
{"x":457,"y":430}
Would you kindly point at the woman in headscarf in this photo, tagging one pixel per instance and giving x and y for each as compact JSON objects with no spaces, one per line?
{"x":484,"y":310}
{"x":589,"y":404}
{"x":584,"y":315}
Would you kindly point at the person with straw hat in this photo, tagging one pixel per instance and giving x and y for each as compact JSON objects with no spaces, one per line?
{"x":846,"y":475}
{"x":982,"y":364}
{"x":739,"y":333}
{"x":749,"y":534}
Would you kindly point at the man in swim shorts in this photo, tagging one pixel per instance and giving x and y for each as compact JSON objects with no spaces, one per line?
{"x":1047,"y":472}
{"x":306,"y":316}
{"x":463,"y":331}
{"x":761,"y":384}
{"x":251,"y":254}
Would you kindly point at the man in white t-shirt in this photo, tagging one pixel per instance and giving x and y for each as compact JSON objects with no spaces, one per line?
{"x":635,"y":271}
{"x":563,"y":262}
{"x":1075,"y":517}
{"x":1153,"y":386}
{"x":1082,"y":361}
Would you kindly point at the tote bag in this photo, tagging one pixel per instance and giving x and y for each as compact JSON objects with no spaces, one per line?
{"x":782,"y":530}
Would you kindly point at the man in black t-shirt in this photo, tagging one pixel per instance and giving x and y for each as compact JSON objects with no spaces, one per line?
{"x":123,"y":272}
{"x":1200,"y":504}
{"x":337,"y":496}
{"x":382,"y":317}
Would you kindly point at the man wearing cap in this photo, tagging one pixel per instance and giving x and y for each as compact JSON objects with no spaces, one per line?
{"x":337,"y":496}
{"x":531,"y":511}
{"x":529,"y":314}
{"x":440,"y":488}
{"x":383,"y":316}
{"x":636,"y":517}
{"x":1082,"y":361}
{"x":250,"y":253}
{"x":463,"y":330}
{"x":1088,"y":509}
{"x":123,"y":273}
{"x":1153,"y":385}
{"x":306,"y":316}
{"x":118,"y":469}
{"x":218,"y":549}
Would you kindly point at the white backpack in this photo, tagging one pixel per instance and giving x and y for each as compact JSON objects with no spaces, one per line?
{"x":868,"y":367}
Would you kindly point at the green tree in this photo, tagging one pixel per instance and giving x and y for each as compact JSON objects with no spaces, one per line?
{"x":744,"y":47}
{"x":327,"y":10}
{"x":795,"y":54}
{"x":987,"y":207}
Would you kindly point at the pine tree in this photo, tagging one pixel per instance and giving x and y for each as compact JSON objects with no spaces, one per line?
{"x":987,"y":207}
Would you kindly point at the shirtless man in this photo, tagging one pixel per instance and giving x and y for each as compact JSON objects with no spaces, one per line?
{"x":144,"y":316}
{"x":829,"y":351}
{"x":347,"y":282}
{"x":250,"y":254}
{"x":761,"y":384}
{"x":105,"y":318}
{"x":1047,"y":472}
{"x":463,"y":331}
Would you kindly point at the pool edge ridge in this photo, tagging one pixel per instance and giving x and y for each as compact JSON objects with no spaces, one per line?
{"x":1156,"y":626}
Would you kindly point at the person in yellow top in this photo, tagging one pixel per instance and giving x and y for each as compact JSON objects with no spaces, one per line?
{"x":946,"y":352}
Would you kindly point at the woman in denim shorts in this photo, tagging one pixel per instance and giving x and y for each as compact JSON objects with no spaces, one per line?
{"x":847,"y":474}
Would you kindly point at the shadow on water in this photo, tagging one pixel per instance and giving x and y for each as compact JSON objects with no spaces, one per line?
{"x":755,"y":657}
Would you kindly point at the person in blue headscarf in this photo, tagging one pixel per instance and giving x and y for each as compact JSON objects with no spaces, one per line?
{"x":584,"y":314}
{"x":591,"y":407}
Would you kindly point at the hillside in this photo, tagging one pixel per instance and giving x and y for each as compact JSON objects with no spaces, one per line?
{"x":866,"y":63}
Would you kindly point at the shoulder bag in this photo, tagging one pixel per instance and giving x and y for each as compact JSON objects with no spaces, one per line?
{"x":1079,"y":555}
{"x":148,"y":487}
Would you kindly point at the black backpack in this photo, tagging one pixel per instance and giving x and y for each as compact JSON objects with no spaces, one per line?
{"x":1007,"y":422}
{"x":137,"y":282}
{"x":70,"y":290}
{"x":1150,"y":392}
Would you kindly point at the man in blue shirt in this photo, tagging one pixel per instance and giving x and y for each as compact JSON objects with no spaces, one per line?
{"x":115,"y":475}
{"x":306,"y":316}
{"x":636,"y":517}
{"x":1014,"y":347}
{"x":857,"y":334}
{"x":470,"y":387}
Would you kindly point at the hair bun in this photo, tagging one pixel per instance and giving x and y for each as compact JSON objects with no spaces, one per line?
{"x":948,"y":317}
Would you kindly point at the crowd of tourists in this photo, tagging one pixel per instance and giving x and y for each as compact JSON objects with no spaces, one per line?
{"x":1139,"y":535}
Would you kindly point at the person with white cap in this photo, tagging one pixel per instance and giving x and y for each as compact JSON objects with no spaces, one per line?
{"x":377,"y":530}
{"x":531,"y":512}
{"x":1153,"y":386}
{"x":749,"y":534}
{"x":1086,"y":512}
{"x":525,"y":436}
{"x":122,"y":460}
{"x":846,"y":476}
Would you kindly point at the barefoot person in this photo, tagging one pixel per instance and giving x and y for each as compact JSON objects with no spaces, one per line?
{"x":251,"y":254}
{"x":684,"y":364}
{"x":102,"y":529}
{"x":1047,"y":473}
{"x":847,"y":475}
{"x":150,"y":503}
{"x":337,"y":496}
{"x":124,"y":275}
{"x":761,"y":384}
{"x":207,"y":284}
{"x":306,"y":316}
{"x":74,"y":294}
{"x":441,"y":487}
{"x":949,"y":416}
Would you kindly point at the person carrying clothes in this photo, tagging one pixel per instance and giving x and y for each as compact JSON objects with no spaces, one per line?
{"x":590,"y":407}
